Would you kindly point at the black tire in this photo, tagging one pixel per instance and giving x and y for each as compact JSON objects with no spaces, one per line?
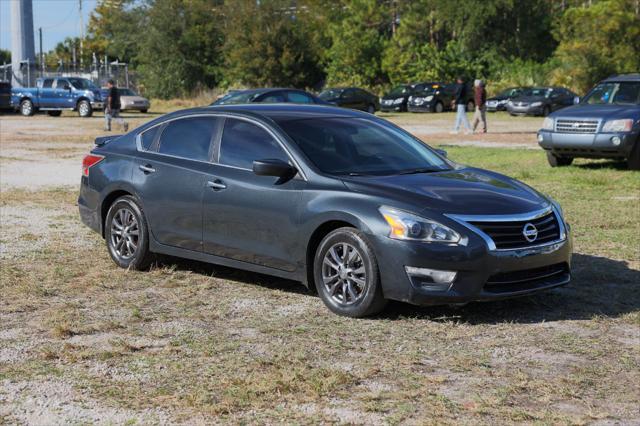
{"x":439,"y":107}
{"x":139,"y":258}
{"x":471,"y":106}
{"x":84,"y":109}
{"x":26,"y":108}
{"x":633,"y":162}
{"x":555,"y":161}
{"x":144,"y":111}
{"x":370,"y":299}
{"x":54,"y":113}
{"x":371,"y":109}
{"x":546,"y":111}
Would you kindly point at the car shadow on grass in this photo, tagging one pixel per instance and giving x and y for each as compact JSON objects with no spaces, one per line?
{"x":607,"y":164}
{"x":599,"y":287}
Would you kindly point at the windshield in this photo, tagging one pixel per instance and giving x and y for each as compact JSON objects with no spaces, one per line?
{"x":614,"y":93}
{"x":127,"y":92}
{"x":515,"y":91}
{"x":331,"y":94}
{"x":427,"y":90}
{"x":82,"y":83}
{"x":399,"y":90}
{"x":347,"y":146}
{"x":538,"y":91}
{"x":236,"y":98}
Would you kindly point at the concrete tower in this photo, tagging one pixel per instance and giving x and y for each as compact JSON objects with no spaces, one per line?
{"x":22,"y":43}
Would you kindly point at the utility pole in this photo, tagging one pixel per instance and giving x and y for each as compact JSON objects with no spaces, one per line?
{"x":81,"y":32}
{"x":42,"y":68}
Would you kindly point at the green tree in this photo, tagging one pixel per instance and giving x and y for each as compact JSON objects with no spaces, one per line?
{"x":273,"y":43}
{"x":5,"y":56}
{"x":180,"y":46}
{"x":596,"y":41}
{"x":358,"y":36}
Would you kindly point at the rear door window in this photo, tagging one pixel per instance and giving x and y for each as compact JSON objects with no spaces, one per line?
{"x":47,"y":83}
{"x":148,"y":137}
{"x":243,"y":142}
{"x":60,"y":84}
{"x":273,"y":98}
{"x":188,"y":138}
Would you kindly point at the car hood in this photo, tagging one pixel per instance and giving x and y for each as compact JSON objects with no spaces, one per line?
{"x":498,"y":98}
{"x":529,"y":99}
{"x":600,"y":111}
{"x":466,"y":191}
{"x":390,"y":97}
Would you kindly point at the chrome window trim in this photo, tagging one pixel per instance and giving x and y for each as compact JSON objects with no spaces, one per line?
{"x":216,"y":155}
{"x":465,"y":219}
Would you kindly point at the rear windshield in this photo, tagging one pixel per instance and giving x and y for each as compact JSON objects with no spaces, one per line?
{"x":539,"y":91}
{"x":331,"y":94}
{"x":237,"y":98}
{"x":614,"y":93}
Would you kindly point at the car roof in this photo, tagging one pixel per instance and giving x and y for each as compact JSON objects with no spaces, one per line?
{"x":623,"y":77}
{"x":277,"y":111}
{"x":263,"y":90}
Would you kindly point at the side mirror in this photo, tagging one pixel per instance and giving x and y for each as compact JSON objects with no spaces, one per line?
{"x":277,"y":168}
{"x":442,"y":152}
{"x":66,"y":87}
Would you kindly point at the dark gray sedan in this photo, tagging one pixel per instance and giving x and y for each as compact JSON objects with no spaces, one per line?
{"x":347,"y":203}
{"x":541,"y":101}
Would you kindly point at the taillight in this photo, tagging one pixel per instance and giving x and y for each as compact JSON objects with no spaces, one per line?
{"x":88,"y":161}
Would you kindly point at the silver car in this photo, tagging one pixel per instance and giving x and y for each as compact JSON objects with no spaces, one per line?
{"x":130,"y":100}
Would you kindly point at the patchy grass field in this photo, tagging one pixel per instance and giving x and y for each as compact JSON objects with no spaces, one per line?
{"x":82,"y":341}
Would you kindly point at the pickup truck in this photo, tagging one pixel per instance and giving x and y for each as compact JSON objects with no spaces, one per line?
{"x":605,"y":124}
{"x":58,"y":94}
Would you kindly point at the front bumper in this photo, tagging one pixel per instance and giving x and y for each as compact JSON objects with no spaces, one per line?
{"x":593,"y":145}
{"x":525,"y":110}
{"x":392,"y":108}
{"x":420,"y":108}
{"x":137,"y":107}
{"x":478,"y":269}
{"x":97,"y":105}
{"x":491,"y":107}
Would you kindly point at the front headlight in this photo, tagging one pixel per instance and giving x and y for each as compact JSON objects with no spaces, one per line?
{"x":510,"y":102}
{"x":407,"y":226}
{"x":428,"y":98}
{"x":536,"y":104}
{"x":397,"y":101}
{"x":547,"y":124}
{"x":503,"y":102}
{"x":618,"y":125}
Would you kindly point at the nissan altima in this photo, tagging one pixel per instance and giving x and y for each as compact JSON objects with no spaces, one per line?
{"x":347,"y":203}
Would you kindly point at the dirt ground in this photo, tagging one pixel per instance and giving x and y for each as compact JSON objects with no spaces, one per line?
{"x":82,"y":341}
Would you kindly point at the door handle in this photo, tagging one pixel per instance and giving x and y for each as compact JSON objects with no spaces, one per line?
{"x":216,"y":185}
{"x":147,"y":168}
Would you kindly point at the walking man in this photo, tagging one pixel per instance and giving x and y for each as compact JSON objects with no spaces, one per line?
{"x":480,"y":97}
{"x":461,"y":107}
{"x":112,"y":108}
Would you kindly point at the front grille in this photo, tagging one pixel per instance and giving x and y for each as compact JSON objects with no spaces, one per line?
{"x":528,"y":278}
{"x":521,"y":104}
{"x":576,"y":126}
{"x":510,"y":235}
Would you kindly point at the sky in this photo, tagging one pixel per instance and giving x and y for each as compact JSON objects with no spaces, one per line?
{"x":58,"y":18}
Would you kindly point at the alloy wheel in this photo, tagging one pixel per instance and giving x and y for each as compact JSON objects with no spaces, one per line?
{"x":125,"y":233}
{"x":26,"y":108}
{"x":344,"y":274}
{"x":83,"y":109}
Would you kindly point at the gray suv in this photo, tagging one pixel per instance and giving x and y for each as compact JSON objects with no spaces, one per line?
{"x":605,"y":124}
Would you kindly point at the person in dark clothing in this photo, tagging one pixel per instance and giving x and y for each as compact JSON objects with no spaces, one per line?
{"x":112,"y":108}
{"x":461,"y":107}
{"x":480,"y":97}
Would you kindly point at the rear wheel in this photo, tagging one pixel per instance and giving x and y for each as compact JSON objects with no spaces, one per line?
{"x":371,"y":109}
{"x":54,"y":113}
{"x":144,"y":111}
{"x":439,"y":107}
{"x":26,"y":108}
{"x":127,"y":235}
{"x":555,"y":161}
{"x":633,"y":162}
{"x":471,"y":106}
{"x":346,"y":274}
{"x":546,"y":111}
{"x":84,"y":109}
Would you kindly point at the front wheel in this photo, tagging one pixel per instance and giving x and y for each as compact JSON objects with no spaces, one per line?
{"x":84,"y":109}
{"x":371,"y":109}
{"x":633,"y":162}
{"x":26,"y":108}
{"x":471,"y":106}
{"x":439,"y":107}
{"x":546,"y":111}
{"x":144,"y":111}
{"x":346,"y":274}
{"x":126,"y":234}
{"x":555,"y":161}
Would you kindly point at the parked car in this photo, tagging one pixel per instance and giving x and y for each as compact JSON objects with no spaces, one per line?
{"x":437,"y":97}
{"x":541,"y":101}
{"x":605,"y":124}
{"x":58,"y":94}
{"x":351,"y":97}
{"x":397,"y":99}
{"x":269,"y":96}
{"x":5,"y":95}
{"x":499,"y":102}
{"x":129,"y":100}
{"x":339,"y":199}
